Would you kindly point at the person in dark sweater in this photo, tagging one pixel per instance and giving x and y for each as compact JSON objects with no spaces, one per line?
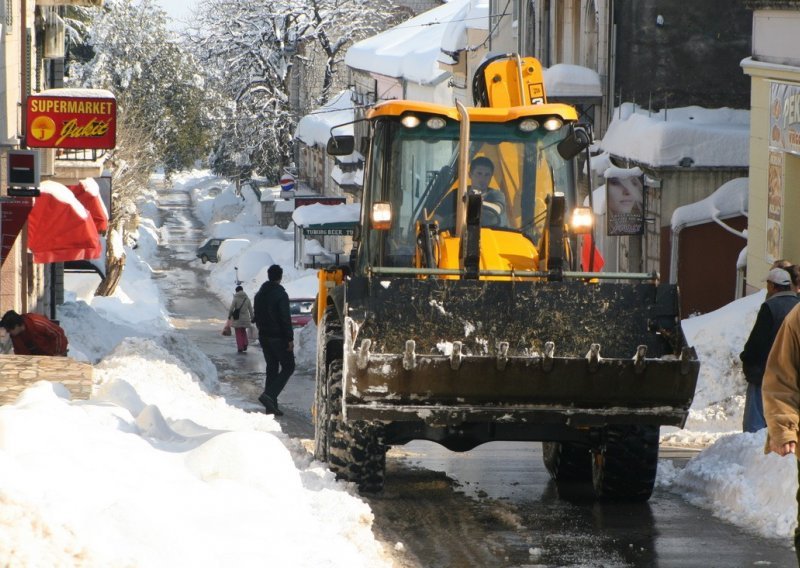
{"x":781,"y":298}
{"x":274,"y":323}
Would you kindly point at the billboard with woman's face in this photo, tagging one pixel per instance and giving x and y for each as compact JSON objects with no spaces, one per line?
{"x":625,"y":205}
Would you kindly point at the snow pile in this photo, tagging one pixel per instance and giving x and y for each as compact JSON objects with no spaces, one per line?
{"x":718,"y":337}
{"x":154,"y":469}
{"x":680,"y":136}
{"x":155,"y":472}
{"x":739,"y":483}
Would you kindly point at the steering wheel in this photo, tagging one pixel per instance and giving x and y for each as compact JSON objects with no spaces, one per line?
{"x":489,"y":215}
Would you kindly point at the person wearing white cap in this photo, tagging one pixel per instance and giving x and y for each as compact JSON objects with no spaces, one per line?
{"x":781,"y":298}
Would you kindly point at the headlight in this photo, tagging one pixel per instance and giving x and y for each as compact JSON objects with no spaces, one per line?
{"x":528,"y":125}
{"x":381,"y":216}
{"x":436,"y":123}
{"x":410,"y":121}
{"x":582,"y":220}
{"x":553,"y":123}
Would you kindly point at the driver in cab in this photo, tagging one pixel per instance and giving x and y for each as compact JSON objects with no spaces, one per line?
{"x":481,"y":171}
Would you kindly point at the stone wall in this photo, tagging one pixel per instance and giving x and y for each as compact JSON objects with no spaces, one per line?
{"x":18,"y":372}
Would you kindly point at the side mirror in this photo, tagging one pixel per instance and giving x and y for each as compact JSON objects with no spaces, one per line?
{"x":576,"y":142}
{"x":341,"y":145}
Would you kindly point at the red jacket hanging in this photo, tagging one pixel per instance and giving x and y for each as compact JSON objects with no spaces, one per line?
{"x":40,"y":337}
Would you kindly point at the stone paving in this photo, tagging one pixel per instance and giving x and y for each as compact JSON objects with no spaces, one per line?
{"x":18,"y":372}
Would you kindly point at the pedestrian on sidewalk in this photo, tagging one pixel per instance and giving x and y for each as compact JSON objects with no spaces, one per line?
{"x":781,"y":298}
{"x":276,"y":336}
{"x":240,"y":316}
{"x":34,"y":334}
{"x":781,"y":393}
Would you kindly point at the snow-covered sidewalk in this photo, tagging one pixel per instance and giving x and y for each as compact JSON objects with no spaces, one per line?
{"x":155,"y":469}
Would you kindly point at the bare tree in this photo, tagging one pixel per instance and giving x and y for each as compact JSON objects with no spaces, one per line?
{"x":131,"y":164}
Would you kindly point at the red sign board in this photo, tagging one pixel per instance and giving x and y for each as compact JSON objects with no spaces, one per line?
{"x":311,"y":200}
{"x":13,"y":214}
{"x":71,"y":122}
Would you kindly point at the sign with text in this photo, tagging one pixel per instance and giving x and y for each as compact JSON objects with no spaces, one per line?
{"x":74,"y":122}
{"x":784,"y":117}
{"x":330,"y":230}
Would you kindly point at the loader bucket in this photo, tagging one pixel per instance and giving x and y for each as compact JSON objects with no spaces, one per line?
{"x":566,"y":352}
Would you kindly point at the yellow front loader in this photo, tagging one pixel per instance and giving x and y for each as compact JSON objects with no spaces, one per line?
{"x":463,"y":316}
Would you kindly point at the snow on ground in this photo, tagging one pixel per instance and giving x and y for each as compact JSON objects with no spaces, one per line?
{"x":156,"y":470}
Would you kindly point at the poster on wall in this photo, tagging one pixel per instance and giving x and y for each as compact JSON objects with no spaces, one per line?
{"x":774,"y":205}
{"x":624,"y":201}
{"x":784,"y":117}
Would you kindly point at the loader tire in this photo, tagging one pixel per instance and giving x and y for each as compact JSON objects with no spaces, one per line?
{"x":355,"y":451}
{"x":570,"y":466}
{"x":624,"y":468}
{"x":329,"y":348}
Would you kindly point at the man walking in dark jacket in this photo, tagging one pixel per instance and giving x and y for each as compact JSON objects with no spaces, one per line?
{"x":271,"y":316}
{"x":781,"y":298}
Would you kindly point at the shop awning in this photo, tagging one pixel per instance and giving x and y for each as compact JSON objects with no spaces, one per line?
{"x":88,"y":193}
{"x":60,"y":228}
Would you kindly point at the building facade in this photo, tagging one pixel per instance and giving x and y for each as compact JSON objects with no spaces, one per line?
{"x":32,"y":50}
{"x":774,"y":200}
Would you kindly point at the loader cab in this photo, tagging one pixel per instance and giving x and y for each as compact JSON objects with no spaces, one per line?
{"x":412,"y":177}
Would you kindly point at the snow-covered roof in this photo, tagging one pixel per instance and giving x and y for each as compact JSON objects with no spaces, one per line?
{"x":564,"y":80}
{"x":315,"y":128}
{"x":411,"y":50}
{"x":317,"y":214}
{"x":476,"y":17}
{"x":729,"y":199}
{"x":708,"y":137}
{"x":354,"y":178}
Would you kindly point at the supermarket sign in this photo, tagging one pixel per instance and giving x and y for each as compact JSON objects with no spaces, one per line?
{"x":72,"y":118}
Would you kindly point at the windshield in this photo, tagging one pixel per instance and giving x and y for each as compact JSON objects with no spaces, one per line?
{"x":416,"y":170}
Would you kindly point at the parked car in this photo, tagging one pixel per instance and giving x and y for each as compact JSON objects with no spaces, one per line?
{"x":300,"y":310}
{"x":208,"y":252}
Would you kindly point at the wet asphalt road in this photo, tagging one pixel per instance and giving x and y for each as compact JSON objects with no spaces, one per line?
{"x":492,"y":506}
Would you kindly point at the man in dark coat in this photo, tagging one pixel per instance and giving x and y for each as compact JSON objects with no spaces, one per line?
{"x":274,"y":322}
{"x":781,"y":298}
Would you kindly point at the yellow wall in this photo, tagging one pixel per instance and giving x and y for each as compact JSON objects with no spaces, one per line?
{"x":762,"y":75}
